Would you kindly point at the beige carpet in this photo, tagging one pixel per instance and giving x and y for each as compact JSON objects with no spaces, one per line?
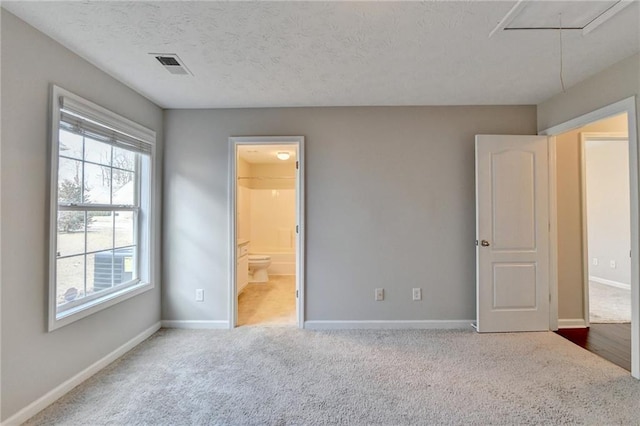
{"x":270,"y":303}
{"x":287,"y":376}
{"x":608,"y":304}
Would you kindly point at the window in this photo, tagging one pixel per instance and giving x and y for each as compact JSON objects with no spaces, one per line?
{"x":101,"y":216}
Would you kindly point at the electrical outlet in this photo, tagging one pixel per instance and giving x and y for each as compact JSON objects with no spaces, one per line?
{"x":595,"y":261}
{"x":417,"y":294}
{"x":199,"y":295}
{"x":612,"y":264}
{"x":379,"y":296}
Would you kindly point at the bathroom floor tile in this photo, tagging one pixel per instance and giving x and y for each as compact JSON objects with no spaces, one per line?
{"x":270,"y":303}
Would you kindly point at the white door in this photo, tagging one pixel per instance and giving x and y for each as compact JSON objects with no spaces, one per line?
{"x":512,"y":231}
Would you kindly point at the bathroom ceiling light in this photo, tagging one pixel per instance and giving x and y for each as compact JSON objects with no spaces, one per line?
{"x":283,"y":156}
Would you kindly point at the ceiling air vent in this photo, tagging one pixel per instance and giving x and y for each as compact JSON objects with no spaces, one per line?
{"x":172,"y":63}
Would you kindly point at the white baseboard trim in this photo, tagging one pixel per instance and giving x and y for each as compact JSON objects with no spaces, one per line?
{"x":572,"y":323}
{"x":59,"y":391}
{"x":611,"y":283}
{"x":389,"y":325}
{"x":195,"y":325}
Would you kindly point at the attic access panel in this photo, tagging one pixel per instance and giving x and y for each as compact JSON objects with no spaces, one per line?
{"x":546,"y":14}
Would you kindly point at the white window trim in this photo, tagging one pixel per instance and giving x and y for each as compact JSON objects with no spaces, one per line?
{"x":146,"y":238}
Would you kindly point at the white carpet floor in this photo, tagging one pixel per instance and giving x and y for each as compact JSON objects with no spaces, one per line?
{"x":608,"y":304}
{"x":285,"y":376}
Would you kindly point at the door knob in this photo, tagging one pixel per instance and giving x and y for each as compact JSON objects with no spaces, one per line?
{"x":484,"y":243}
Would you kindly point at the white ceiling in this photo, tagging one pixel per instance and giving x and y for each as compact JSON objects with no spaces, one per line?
{"x":261,"y":54}
{"x":266,"y":154}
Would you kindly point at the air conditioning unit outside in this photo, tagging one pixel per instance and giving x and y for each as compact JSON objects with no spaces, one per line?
{"x":120,"y":266}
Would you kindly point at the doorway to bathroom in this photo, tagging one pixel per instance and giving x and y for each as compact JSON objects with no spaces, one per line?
{"x":266,"y":215}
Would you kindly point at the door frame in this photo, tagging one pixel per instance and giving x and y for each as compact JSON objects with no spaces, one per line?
{"x":234,"y":142}
{"x":584,"y":137}
{"x":627,"y":105}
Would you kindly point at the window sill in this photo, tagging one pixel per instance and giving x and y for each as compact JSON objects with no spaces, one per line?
{"x":58,"y":320}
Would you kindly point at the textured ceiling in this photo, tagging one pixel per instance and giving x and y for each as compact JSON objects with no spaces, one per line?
{"x":259,"y":54}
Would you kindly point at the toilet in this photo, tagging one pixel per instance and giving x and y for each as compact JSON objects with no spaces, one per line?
{"x":258,"y":265}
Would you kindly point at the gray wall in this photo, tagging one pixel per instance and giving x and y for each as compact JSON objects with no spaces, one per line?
{"x":390,"y":203}
{"x":33,"y":360}
{"x":615,"y":83}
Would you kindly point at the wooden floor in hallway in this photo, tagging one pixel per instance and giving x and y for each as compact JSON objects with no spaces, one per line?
{"x":270,"y":303}
{"x":610,"y":341}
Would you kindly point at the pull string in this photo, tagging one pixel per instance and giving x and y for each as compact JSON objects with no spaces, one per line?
{"x":561,"y":54}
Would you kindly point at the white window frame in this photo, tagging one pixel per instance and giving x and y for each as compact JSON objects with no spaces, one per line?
{"x":144,"y":235}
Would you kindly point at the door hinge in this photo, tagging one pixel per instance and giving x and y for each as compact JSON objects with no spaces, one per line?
{"x":296,"y":294}
{"x":297,"y":165}
{"x":297,"y":229}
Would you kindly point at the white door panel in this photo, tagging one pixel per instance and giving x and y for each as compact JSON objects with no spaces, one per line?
{"x":513,"y":221}
{"x":512,"y":218}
